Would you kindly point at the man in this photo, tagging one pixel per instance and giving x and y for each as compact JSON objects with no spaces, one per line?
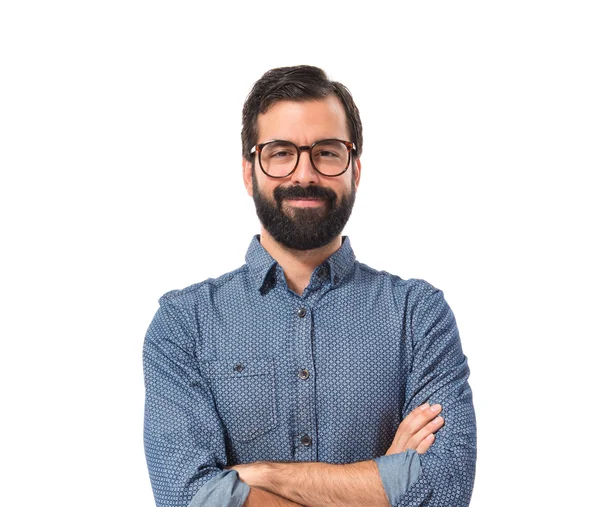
{"x":306,"y":377}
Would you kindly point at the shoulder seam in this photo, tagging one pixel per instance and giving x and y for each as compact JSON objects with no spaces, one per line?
{"x":172,"y":295}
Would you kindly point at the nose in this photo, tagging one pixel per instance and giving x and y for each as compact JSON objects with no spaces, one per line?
{"x":305,"y":173}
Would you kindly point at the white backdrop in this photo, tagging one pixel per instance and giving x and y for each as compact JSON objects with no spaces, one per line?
{"x":121,"y":180}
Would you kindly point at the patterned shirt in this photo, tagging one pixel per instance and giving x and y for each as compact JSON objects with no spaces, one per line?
{"x":241,"y":368}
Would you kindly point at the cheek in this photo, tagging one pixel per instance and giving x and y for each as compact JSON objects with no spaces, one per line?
{"x":344,"y":189}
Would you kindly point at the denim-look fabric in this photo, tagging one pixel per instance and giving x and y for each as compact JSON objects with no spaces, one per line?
{"x":240,"y":369}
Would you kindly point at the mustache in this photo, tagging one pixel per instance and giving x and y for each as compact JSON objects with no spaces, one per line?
{"x":299,"y":192}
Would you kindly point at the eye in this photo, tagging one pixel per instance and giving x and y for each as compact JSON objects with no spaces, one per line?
{"x":279,"y":154}
{"x":327,"y":154}
{"x":279,"y":151}
{"x":330,"y":151}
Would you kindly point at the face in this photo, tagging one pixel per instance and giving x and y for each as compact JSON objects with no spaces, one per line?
{"x":305,"y":210}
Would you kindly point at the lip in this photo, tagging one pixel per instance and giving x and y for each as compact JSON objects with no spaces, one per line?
{"x":306,"y":203}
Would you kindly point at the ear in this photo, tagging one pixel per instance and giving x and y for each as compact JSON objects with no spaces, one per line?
{"x":357,"y":172}
{"x":247,"y":175}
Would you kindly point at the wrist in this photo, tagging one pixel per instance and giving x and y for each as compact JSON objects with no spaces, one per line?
{"x":260,"y":474}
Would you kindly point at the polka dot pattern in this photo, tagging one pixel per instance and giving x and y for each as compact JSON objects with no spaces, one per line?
{"x":240,"y":368}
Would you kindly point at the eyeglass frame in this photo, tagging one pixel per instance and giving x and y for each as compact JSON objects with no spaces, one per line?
{"x":299,"y":149}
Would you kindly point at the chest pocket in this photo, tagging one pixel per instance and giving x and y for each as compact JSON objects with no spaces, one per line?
{"x":244,"y":393}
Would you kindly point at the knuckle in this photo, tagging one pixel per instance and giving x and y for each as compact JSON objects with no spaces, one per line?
{"x":416,"y":426}
{"x":432,"y":414}
{"x":437,"y":421}
{"x":424,"y":419}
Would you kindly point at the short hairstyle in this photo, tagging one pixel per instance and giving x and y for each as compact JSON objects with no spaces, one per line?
{"x":302,"y":82}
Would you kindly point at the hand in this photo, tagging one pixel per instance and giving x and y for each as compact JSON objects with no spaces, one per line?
{"x":248,"y":472}
{"x":417,"y":430}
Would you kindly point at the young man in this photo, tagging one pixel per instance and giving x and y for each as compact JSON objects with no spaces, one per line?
{"x":305,"y":377}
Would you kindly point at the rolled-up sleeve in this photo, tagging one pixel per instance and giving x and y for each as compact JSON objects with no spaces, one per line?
{"x":398,"y":473}
{"x":183,"y":434}
{"x":439,"y":375}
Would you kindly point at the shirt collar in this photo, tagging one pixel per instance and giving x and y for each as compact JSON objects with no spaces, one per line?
{"x":262,"y":266}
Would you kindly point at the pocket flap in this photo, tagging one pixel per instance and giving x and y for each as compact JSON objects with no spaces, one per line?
{"x":238,"y":367}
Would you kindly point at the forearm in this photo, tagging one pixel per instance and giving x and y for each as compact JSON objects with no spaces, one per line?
{"x":323,"y":484}
{"x":261,"y":498}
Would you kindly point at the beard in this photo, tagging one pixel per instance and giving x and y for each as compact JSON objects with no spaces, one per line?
{"x":303,"y":228}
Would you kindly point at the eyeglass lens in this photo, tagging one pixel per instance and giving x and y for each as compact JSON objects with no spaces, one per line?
{"x":279,"y":158}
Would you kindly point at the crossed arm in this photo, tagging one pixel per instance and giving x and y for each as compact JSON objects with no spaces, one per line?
{"x":323,"y":484}
{"x":185,"y":452}
{"x":439,"y":375}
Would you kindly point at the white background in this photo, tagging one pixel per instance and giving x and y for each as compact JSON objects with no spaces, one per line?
{"x":121,"y":180}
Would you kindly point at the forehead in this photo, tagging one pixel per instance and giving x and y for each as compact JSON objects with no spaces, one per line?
{"x":304,"y":121}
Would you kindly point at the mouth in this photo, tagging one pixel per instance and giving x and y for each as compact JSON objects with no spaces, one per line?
{"x":305,"y":203}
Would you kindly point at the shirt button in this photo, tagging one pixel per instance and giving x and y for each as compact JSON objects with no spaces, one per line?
{"x":323,"y":274}
{"x":336,"y":279}
{"x":306,"y":441}
{"x":304,"y":374}
{"x":301,"y":312}
{"x":239,"y":367}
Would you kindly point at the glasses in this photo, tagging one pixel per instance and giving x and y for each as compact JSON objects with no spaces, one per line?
{"x":329,"y":157}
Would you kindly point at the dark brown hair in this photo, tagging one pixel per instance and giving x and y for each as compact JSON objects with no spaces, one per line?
{"x":302,"y":82}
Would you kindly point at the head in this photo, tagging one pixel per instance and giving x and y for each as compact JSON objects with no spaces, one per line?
{"x":306,"y":209}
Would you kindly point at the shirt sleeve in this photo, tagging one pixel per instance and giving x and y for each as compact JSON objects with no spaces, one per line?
{"x":183,"y":434}
{"x":398,"y":473}
{"x":439,"y":375}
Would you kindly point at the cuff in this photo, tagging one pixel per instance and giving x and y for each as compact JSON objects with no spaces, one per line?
{"x":223,"y":490}
{"x":398,"y":473}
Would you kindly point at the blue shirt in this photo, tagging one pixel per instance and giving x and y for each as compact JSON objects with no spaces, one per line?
{"x":241,"y":368}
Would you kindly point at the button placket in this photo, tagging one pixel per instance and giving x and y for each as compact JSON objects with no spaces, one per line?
{"x":306,"y":404}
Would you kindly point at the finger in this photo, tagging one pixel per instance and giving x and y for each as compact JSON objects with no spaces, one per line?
{"x":425,"y":444}
{"x":430,"y":429}
{"x":411,"y":426}
{"x":410,"y":418}
{"x":416,"y":412}
{"x":421,"y":416}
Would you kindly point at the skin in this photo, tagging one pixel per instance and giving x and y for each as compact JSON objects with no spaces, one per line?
{"x":324,"y":484}
{"x":319,"y":484}
{"x":303,"y":123}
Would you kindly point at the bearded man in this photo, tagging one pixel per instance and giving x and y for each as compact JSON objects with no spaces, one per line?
{"x":305,"y":377}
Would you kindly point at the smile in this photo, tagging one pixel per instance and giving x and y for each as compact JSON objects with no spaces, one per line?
{"x":305,"y":202}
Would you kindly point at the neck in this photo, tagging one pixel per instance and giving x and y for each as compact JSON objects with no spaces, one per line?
{"x":298,"y":265}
